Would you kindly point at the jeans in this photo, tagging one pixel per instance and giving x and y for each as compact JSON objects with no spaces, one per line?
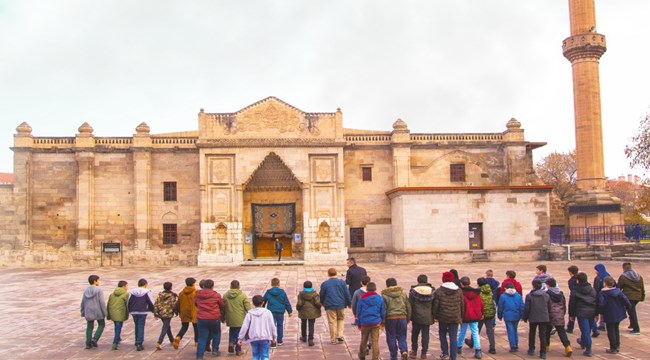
{"x":369,"y":333}
{"x":118,"y":332}
{"x":585,"y":325}
{"x":278,"y":318}
{"x":561,"y":333}
{"x":304,"y":323}
{"x":335,"y":319}
{"x":208,"y":329}
{"x":139,"y":321}
{"x":166,"y":330}
{"x":89,"y":330}
{"x":490,"y":324}
{"x":416,"y":329}
{"x":513,"y":336}
{"x":634,"y":319}
{"x":396,"y":336}
{"x":184,"y":327}
{"x":613,"y":335}
{"x":233,"y":333}
{"x":260,"y":349}
{"x":450,"y":329}
{"x":542,"y":336}
{"x":473,"y":327}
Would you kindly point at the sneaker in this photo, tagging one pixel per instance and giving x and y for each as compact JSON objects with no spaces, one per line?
{"x":587,"y":353}
{"x":274,"y":345}
{"x":513,"y":350}
{"x":115,"y":346}
{"x":492,"y":351}
{"x":635,"y":332}
{"x":340,"y":340}
{"x":88,"y":346}
{"x":310,"y":342}
{"x":405,"y":355}
{"x":531,"y":352}
{"x":280,"y":343}
{"x":478,"y":354}
{"x":413,"y":355}
{"x":423,"y":357}
{"x":139,"y":347}
{"x":303,"y":339}
{"x":177,"y":342}
{"x":216,"y":353}
{"x":93,"y":343}
{"x":595,"y":334}
{"x":542,"y":355}
{"x":568,"y":351}
{"x":334,"y":342}
{"x":553,"y":331}
{"x":158,"y":347}
{"x":231,"y":348}
{"x":611,"y":351}
{"x":443,"y":357}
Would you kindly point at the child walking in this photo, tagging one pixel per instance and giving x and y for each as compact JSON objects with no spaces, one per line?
{"x":165,"y":309}
{"x":371,"y":312}
{"x":583,"y":305}
{"x":258,"y":329}
{"x":613,"y":304}
{"x":537,"y":308}
{"x":117,"y":311}
{"x":186,"y":310}
{"x":473,"y":314}
{"x":276,"y":300}
{"x":558,"y":310}
{"x":308,"y":307}
{"x":398,"y":313}
{"x":511,"y":310}
{"x":93,"y":309}
{"x":237,"y":305}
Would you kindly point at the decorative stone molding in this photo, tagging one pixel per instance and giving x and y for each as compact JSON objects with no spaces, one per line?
{"x":584,"y":46}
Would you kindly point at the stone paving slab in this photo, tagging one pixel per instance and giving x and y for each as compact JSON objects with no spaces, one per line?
{"x":39,"y":311}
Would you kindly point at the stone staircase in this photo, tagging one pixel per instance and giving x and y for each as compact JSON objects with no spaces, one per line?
{"x":480,"y":256}
{"x":635,"y":253}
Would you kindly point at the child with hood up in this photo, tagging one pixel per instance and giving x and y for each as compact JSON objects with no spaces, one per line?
{"x":258,"y":329}
{"x":93,"y":308}
{"x":612,"y":304}
{"x":598,"y":284}
{"x":511,"y":310}
{"x":558,"y":310}
{"x":308,"y":307}
{"x":116,"y":310}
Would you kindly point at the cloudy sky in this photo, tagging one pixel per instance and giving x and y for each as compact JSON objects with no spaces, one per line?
{"x":441,"y":66}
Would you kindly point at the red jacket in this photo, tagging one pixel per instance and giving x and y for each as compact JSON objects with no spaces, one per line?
{"x":513,"y":281}
{"x":209,"y":304}
{"x":473,"y":305}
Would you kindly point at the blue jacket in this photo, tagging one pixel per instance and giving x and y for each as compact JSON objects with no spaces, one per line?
{"x":612,"y":303}
{"x":511,"y":306}
{"x":334,"y":294}
{"x":371,"y":309}
{"x":276,"y":301}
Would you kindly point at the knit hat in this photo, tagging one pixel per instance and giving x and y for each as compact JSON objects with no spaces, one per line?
{"x":447,"y":277}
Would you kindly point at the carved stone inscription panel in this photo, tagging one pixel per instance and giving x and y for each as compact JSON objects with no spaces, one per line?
{"x":220,"y":170}
{"x":220,"y":201}
{"x":324,"y":200}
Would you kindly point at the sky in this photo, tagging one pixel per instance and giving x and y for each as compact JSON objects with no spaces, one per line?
{"x":441,"y":66}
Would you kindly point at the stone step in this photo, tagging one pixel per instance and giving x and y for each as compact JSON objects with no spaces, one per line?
{"x":272,"y":262}
{"x":632,"y":258}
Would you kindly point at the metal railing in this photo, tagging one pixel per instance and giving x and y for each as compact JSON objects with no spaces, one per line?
{"x":592,"y":235}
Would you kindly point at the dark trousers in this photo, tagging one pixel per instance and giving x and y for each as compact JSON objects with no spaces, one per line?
{"x":561,"y":333}
{"x":166,"y":330}
{"x":571,"y":324}
{"x":279,"y":323}
{"x":307,"y":323}
{"x":118,"y":332}
{"x":416,"y":329}
{"x":233,"y":333}
{"x":634,"y":319}
{"x":139,"y":321}
{"x":184,"y":327}
{"x":450,"y":329}
{"x":542,"y":336}
{"x":396,"y":336}
{"x":613,"y":335}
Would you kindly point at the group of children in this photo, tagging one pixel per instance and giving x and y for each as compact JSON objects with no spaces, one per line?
{"x":456,"y":306}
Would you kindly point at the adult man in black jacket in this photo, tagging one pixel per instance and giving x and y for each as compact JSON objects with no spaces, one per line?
{"x":354,"y":275}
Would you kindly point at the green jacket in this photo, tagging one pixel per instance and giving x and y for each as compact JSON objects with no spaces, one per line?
{"x":397,"y":304}
{"x":117,"y":309}
{"x":308,"y":305}
{"x":489,"y":310}
{"x":237,"y":305}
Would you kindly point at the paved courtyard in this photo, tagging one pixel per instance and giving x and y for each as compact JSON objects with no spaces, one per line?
{"x":39,"y":311}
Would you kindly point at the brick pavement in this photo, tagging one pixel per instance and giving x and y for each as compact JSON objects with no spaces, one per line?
{"x":39,"y":311}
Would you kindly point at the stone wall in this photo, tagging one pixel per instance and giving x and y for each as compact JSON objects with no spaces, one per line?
{"x":8,"y":224}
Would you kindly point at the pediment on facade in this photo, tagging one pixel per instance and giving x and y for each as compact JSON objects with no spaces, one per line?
{"x":272,"y":175}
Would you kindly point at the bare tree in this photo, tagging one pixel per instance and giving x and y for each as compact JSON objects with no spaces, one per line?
{"x":639,"y":151}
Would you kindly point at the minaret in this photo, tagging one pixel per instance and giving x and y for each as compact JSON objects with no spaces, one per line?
{"x":593,"y":205}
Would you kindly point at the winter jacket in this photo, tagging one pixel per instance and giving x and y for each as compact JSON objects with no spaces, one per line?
{"x":140,"y":301}
{"x":599,"y":279}
{"x":258,"y":325}
{"x":572,"y":282}
{"x":558,"y":306}
{"x":494,"y":285}
{"x":473,"y":304}
{"x":489,"y":308}
{"x":209,"y":304}
{"x":448,"y":304}
{"x":355,"y":299}
{"x":612,"y":303}
{"x":543,"y":277}
{"x":308,"y":304}
{"x":631,"y":283}
{"x":583,"y":301}
{"x":537,"y":307}
{"x":116,"y":308}
{"x":371,"y":310}
{"x":165,"y":306}
{"x":93,"y":306}
{"x":516,"y":283}
{"x":334,"y":294}
{"x":421,"y":301}
{"x":397,"y":304}
{"x":511,"y":306}
{"x":353,"y":277}
{"x":276,"y":300}
{"x":236,"y":307}
{"x":186,"y":308}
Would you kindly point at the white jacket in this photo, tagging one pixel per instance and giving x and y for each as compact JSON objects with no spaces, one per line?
{"x":259,"y":325}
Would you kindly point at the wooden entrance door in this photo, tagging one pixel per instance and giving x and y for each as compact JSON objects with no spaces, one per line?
{"x":475,"y":236}
{"x":265,"y":246}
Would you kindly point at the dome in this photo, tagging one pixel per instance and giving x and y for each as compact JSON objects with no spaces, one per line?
{"x":85,"y":128}
{"x":513,"y":124}
{"x":400,"y":125}
{"x":24,"y":128}
{"x":143,"y":128}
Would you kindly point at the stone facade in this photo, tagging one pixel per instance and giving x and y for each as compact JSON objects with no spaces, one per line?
{"x":187,"y":198}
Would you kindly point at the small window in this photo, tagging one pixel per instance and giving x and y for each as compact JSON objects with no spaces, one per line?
{"x":170,"y":191}
{"x":366,"y":173}
{"x":170,"y":234}
{"x":356,"y":237}
{"x":457,"y":172}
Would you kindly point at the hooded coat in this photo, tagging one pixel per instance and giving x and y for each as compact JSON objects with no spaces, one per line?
{"x":116,"y":308}
{"x":489,"y":309}
{"x":276,"y":300}
{"x":421,"y":301}
{"x":140,"y":301}
{"x":537,"y":307}
{"x":583,"y":301}
{"x":558,"y":306}
{"x":612,"y":303}
{"x":600,"y":277}
{"x":185,"y":305}
{"x":209,"y":304}
{"x":448,"y":304}
{"x":473,"y":304}
{"x":165,"y":306}
{"x":258,"y":325}
{"x":514,"y":282}
{"x":371,"y":309}
{"x":397,"y":304}
{"x":631,"y":283}
{"x":308,"y":305}
{"x":92,"y":304}
{"x":511,"y":306}
{"x":236,"y":307}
